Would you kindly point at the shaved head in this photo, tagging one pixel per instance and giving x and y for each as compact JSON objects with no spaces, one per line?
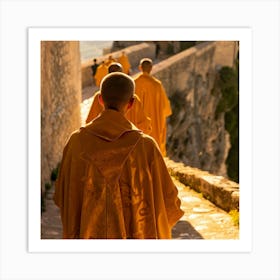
{"x":146,"y":65}
{"x":117,"y":89}
{"x":115,"y":67}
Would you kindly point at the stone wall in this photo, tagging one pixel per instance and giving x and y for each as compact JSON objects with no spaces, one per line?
{"x":195,"y":137}
{"x":225,"y":53}
{"x":217,"y":189}
{"x":135,"y":53}
{"x":60,"y":100}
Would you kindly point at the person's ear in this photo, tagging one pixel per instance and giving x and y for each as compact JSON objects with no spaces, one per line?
{"x":130,"y":103}
{"x":100,"y":100}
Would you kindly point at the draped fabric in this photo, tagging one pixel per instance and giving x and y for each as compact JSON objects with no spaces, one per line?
{"x":109,"y":61}
{"x":138,"y":117}
{"x":101,"y":72}
{"x":155,"y":104}
{"x":124,"y":61}
{"x":135,"y":114}
{"x":113,"y":184}
{"x":95,"y":109}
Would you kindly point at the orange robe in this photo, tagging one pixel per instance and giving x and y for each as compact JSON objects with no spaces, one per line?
{"x":155,"y":104}
{"x":124,"y":61}
{"x":113,"y":183}
{"x":109,"y":61}
{"x":95,"y":109}
{"x":136,"y":114}
{"x":101,"y":72}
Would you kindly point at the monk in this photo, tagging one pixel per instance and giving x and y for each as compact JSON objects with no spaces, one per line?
{"x":136,"y":114}
{"x":124,"y":61}
{"x":109,"y":60}
{"x":155,"y":102}
{"x":101,"y":72}
{"x":113,"y":182}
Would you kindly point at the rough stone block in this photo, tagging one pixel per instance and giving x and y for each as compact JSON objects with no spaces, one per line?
{"x":217,"y":189}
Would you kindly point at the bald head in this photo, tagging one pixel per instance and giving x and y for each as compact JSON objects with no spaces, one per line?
{"x":146,"y":65}
{"x":115,"y":67}
{"x":117,"y":90}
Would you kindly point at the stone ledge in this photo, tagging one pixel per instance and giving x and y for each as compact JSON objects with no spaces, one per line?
{"x":217,"y":189}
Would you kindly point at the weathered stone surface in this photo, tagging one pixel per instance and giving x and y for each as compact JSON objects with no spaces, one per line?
{"x":60,"y":100}
{"x":217,"y":189}
{"x":225,"y":53}
{"x":196,"y":136}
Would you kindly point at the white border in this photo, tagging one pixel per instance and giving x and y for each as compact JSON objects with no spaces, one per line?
{"x":263,"y":16}
{"x":243,"y":35}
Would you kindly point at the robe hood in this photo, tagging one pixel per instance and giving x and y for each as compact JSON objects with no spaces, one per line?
{"x":108,"y":141}
{"x":116,"y":125}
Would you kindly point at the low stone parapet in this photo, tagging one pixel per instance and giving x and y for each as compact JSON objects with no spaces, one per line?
{"x":217,"y":189}
{"x":135,"y":54}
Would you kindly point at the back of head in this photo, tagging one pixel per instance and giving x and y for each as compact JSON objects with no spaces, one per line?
{"x":146,"y":65}
{"x":115,"y":67}
{"x":116,"y":89}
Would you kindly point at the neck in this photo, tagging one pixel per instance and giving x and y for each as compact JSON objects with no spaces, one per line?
{"x":113,"y":108}
{"x":120,"y":110}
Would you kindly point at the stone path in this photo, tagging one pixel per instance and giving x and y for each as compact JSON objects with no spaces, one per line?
{"x":202,"y":219}
{"x":51,"y":227}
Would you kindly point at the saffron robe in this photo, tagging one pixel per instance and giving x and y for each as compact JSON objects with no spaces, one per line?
{"x":135,"y":114}
{"x":155,"y":104}
{"x":124,"y":61}
{"x":113,"y":183}
{"x":109,"y":61}
{"x":101,"y":72}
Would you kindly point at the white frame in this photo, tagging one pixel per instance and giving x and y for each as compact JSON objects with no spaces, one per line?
{"x":243,"y":35}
